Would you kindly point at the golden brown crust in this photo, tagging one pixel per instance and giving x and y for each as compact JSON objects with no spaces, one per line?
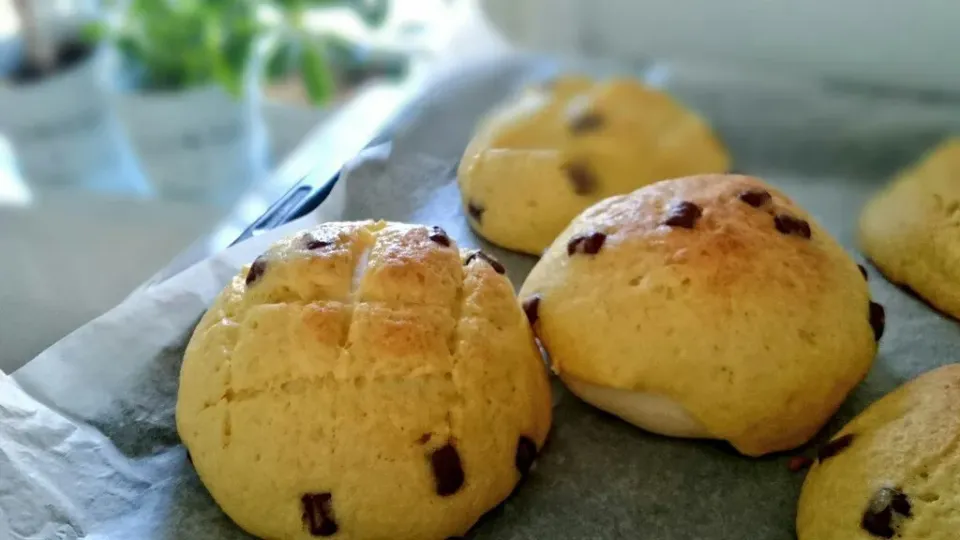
{"x":758,"y":334}
{"x":339,"y":364}
{"x":908,"y":440}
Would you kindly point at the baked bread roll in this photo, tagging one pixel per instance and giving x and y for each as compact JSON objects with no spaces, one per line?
{"x":709,"y":307}
{"x":911,"y":230}
{"x":540,"y":159}
{"x":893,"y":471}
{"x":363,"y":380}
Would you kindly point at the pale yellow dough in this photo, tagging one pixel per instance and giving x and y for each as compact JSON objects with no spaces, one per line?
{"x":908,"y":441}
{"x":730,"y":329}
{"x":911,"y":230}
{"x":340,"y":370}
{"x":515,"y":175}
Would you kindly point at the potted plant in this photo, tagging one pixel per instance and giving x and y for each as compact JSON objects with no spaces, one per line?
{"x":191,"y":71}
{"x":56,"y":107}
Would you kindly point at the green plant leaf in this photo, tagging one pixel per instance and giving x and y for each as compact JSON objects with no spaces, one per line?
{"x":129,"y":49}
{"x":173,"y":44}
{"x":227,"y":76}
{"x":292,"y":5}
{"x":212,"y":45}
{"x":236,"y":56}
{"x":282,"y":59}
{"x":321,"y":3}
{"x":93,"y":32}
{"x":315,"y":71}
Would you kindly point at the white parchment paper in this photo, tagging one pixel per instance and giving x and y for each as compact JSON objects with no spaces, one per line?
{"x":88,"y":447}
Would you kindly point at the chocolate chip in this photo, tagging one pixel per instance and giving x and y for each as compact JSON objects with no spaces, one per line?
{"x":425,"y":438}
{"x":526,"y":454}
{"x":834,"y":447}
{"x":799,"y":463}
{"x":318,"y":514}
{"x":311,"y":243}
{"x":878,"y":517}
{"x":439,"y":236}
{"x":531,"y":306}
{"x":878,"y":523}
{"x":901,"y":504}
{"x":583,"y":180}
{"x":589,"y":243}
{"x":317,"y":244}
{"x":788,"y":224}
{"x":863,"y":271}
{"x":447,"y":470}
{"x":476,"y":211}
{"x":683,"y":214}
{"x":755,"y":197}
{"x":585,"y":121}
{"x":878,"y":320}
{"x":489,"y":259}
{"x":257,"y":269}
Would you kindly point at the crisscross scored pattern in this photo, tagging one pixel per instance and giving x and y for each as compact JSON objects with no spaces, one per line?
{"x":341,"y":368}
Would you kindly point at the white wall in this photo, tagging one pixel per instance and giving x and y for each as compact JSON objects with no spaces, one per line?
{"x":913,"y":43}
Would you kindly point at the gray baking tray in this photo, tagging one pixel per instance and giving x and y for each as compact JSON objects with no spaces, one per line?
{"x":827,"y":144}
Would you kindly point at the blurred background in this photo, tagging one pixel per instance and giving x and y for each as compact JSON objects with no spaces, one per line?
{"x":140,"y":136}
{"x":143,"y":135}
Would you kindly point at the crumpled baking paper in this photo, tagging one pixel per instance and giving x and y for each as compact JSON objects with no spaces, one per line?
{"x":88,"y":447}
